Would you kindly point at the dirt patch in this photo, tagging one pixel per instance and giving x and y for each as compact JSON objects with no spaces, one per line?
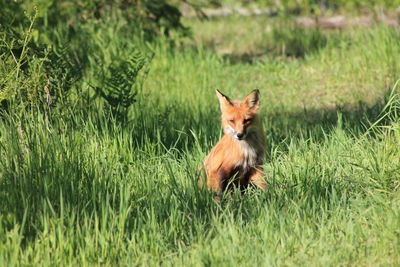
{"x":341,"y":21}
{"x":391,"y":18}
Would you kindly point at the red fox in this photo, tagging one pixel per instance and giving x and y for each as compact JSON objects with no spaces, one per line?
{"x":237,"y":158}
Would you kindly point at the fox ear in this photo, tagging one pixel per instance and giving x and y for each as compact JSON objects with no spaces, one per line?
{"x":252,"y":100}
{"x":224,"y":101}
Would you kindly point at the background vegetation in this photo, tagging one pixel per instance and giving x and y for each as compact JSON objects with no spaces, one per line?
{"x":107,"y":110}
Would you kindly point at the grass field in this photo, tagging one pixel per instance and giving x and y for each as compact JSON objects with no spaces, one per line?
{"x":84,"y":189}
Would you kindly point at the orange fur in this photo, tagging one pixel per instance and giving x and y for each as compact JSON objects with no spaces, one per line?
{"x":238,"y":156}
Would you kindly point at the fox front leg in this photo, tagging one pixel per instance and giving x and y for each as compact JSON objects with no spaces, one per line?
{"x":217,"y":181}
{"x":258,"y":178}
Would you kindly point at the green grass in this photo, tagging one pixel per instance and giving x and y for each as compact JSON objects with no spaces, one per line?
{"x":82,"y":188}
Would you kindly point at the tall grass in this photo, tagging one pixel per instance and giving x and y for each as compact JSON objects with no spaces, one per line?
{"x":82,"y":188}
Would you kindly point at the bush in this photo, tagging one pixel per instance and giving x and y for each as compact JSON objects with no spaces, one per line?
{"x":49,"y":45}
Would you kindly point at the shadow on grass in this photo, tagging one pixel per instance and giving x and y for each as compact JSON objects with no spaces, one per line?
{"x":286,"y":40}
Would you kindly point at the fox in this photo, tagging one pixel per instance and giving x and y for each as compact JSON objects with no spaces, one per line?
{"x":238,"y":156}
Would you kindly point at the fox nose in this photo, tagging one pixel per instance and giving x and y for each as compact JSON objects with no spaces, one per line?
{"x":240,"y":135}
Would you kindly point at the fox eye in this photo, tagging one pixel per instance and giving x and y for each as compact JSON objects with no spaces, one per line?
{"x":232,"y":121}
{"x":247,"y":120}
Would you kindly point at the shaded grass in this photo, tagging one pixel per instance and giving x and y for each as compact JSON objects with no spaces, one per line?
{"x":84,"y":189}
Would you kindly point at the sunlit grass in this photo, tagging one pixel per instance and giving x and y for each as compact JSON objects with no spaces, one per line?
{"x":85,"y":189}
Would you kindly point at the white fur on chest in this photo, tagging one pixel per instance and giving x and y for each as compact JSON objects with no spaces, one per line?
{"x":250,"y":155}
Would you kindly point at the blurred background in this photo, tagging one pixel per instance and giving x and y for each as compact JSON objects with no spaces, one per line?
{"x":75,"y":44}
{"x":61,"y":44}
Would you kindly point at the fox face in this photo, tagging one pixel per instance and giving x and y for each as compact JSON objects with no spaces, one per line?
{"x":239,"y":118}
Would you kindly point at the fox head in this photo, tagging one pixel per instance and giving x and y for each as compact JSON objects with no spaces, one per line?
{"x":239,"y":118}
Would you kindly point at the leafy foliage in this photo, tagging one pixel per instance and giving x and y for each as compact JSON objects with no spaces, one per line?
{"x":35,"y":75}
{"x":152,"y":16}
{"x":62,"y":71}
{"x":122,"y":82}
{"x":22,"y":72}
